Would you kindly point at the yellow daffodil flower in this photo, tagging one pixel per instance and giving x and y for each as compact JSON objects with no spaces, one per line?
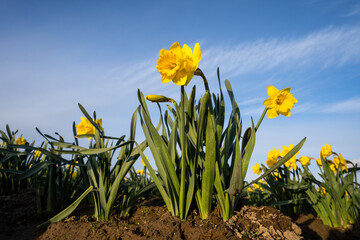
{"x":250,"y":189}
{"x":326,"y":150}
{"x":85,"y":126}
{"x":318,"y":161}
{"x":257,"y":186}
{"x":277,"y":175}
{"x":304,"y":160}
{"x":333,"y":167}
{"x":279,"y":102}
{"x":141,"y":172}
{"x":291,"y":163}
{"x":273,"y":157}
{"x":262,"y":181}
{"x":70,"y":167}
{"x":257,"y":169}
{"x":21,"y":141}
{"x":159,"y":98}
{"x":178,"y":64}
{"x":342,"y":162}
{"x":336,"y":161}
{"x":37,"y":153}
{"x":321,"y":190}
{"x":142,"y":161}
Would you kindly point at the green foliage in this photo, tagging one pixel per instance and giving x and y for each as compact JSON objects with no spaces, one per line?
{"x":14,"y":159}
{"x":212,"y":159}
{"x":132,"y":191}
{"x":336,"y":199}
{"x":284,"y":189}
{"x":95,"y":164}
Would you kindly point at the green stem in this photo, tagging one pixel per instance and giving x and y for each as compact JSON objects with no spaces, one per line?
{"x":261,"y":118}
{"x":200,"y":73}
{"x":183,"y":149}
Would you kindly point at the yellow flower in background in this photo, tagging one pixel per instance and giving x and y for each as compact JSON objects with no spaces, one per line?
{"x":257,"y":186}
{"x":318,"y":161}
{"x":279,"y":102}
{"x":21,"y":141}
{"x":322,"y":190}
{"x":262,"y":181}
{"x":159,"y":98}
{"x":142,"y":161}
{"x":257,"y":169}
{"x":342,"y":162}
{"x":70,"y":167}
{"x":277,"y":175}
{"x":291,"y":163}
{"x":178,"y":64}
{"x":250,"y":189}
{"x":273,"y":157}
{"x":141,"y":172}
{"x":304,"y":160}
{"x":336,"y":162}
{"x":74,"y":174}
{"x":85,"y":126}
{"x":333,"y":167}
{"x":37,"y":153}
{"x":326,"y":150}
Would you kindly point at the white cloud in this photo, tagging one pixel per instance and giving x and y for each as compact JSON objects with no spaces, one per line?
{"x":351,"y":105}
{"x":250,"y":101}
{"x":302,"y":107}
{"x":355,"y":161}
{"x":355,"y":10}
{"x":326,"y":48}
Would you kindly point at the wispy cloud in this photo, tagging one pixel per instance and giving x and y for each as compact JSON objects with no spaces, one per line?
{"x":355,"y":161}
{"x":325,"y":48}
{"x":302,"y":107}
{"x":355,"y":10}
{"x":251,"y":101}
{"x":351,"y":105}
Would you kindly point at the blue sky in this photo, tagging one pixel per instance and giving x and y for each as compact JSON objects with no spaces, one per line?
{"x":54,"y":55}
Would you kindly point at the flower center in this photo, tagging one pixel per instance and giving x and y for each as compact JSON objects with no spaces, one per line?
{"x":280,"y":99}
{"x":172,"y":65}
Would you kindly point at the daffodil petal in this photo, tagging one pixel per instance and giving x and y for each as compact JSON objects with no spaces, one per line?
{"x":272,"y":113}
{"x":272,"y":91}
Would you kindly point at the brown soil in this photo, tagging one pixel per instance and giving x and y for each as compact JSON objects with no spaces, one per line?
{"x":151,"y":221}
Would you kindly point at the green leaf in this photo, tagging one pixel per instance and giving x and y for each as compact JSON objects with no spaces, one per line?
{"x":94,"y":151}
{"x":5,"y":170}
{"x":67,"y":211}
{"x":209,"y":167}
{"x":34,"y":169}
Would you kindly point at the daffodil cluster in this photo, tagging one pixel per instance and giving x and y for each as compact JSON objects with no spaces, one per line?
{"x":257,"y":186}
